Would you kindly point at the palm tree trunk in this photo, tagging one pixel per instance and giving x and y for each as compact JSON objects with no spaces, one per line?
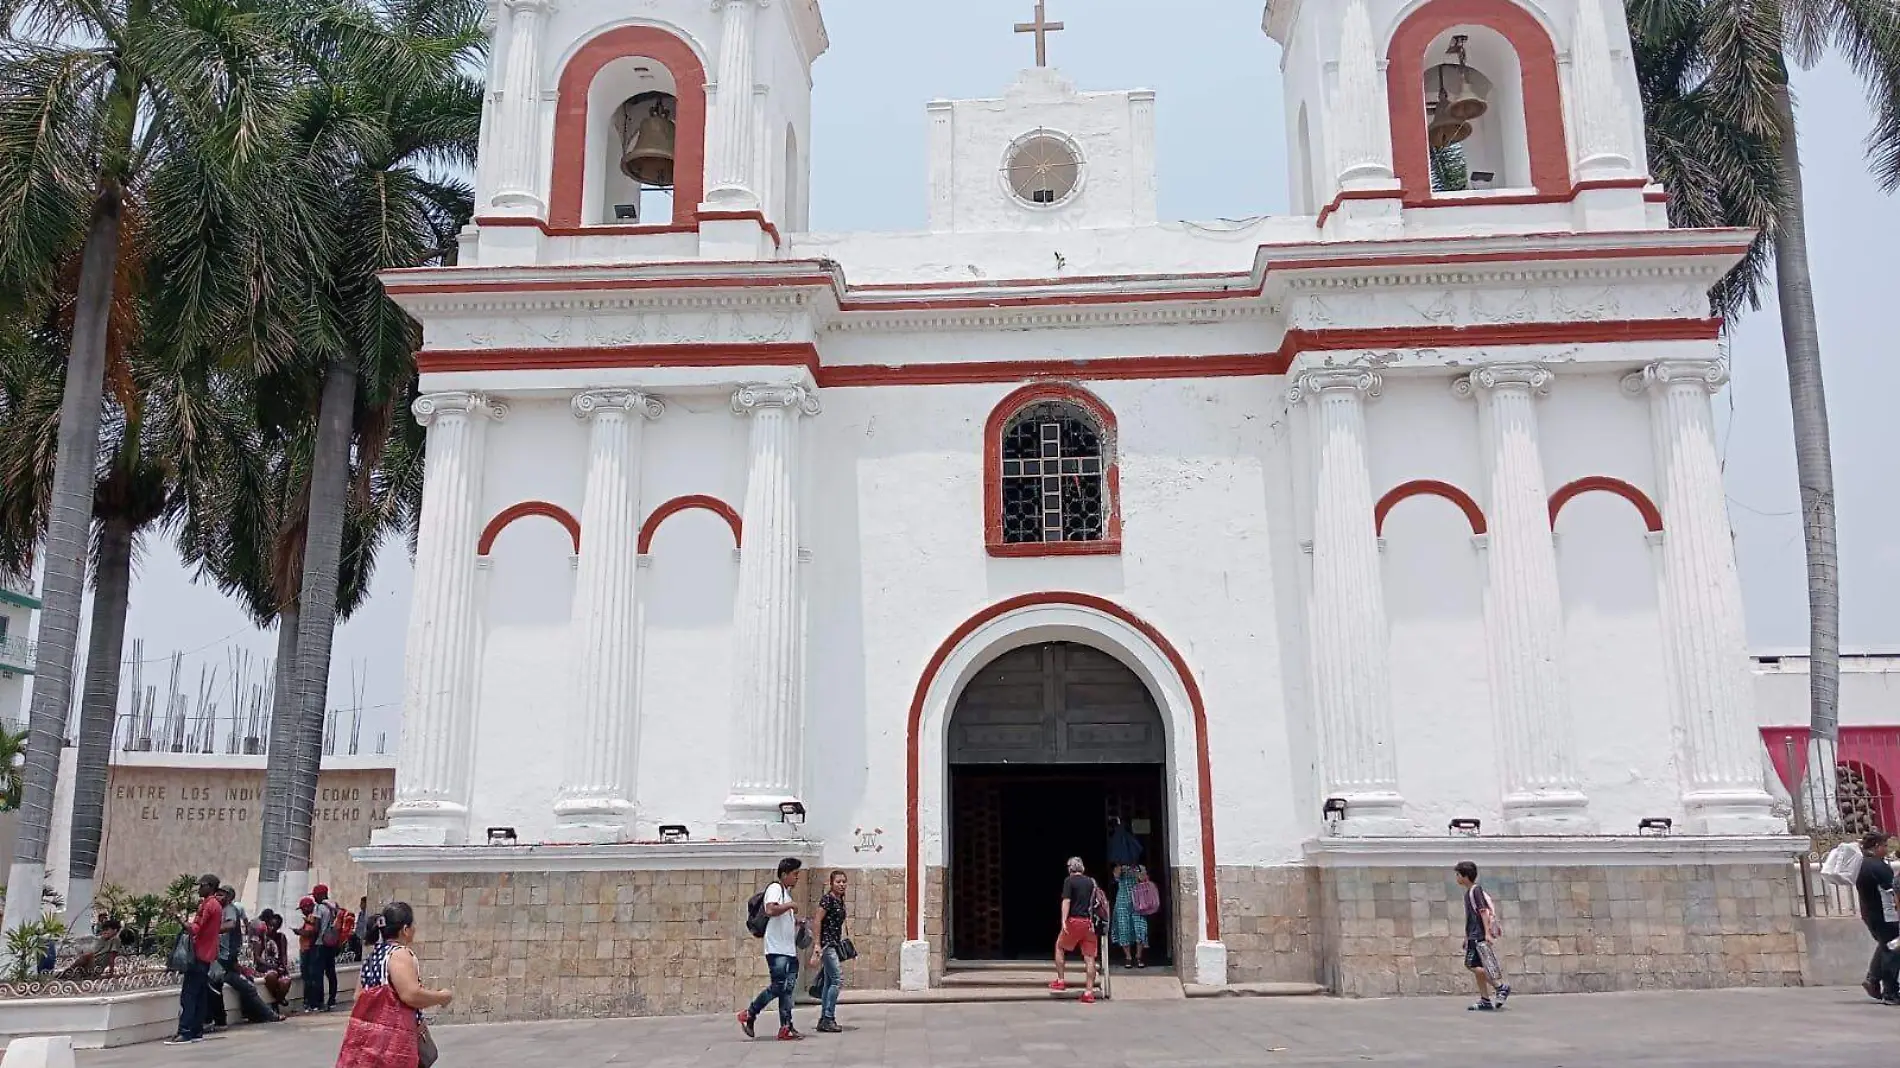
{"x":67,"y":539}
{"x":322,"y":560}
{"x":111,"y":594}
{"x":278,"y":759}
{"x":1814,"y":466}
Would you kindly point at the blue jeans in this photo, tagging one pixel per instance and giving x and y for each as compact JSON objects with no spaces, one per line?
{"x":833,"y":984}
{"x":784,"y":982}
{"x":193,"y":996}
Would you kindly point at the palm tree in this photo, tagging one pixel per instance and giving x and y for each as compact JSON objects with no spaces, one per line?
{"x":97,"y":99}
{"x":396,"y":106}
{"x":1722,"y":117}
{"x":246,"y":516}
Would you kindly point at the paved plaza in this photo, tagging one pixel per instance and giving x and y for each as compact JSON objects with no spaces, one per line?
{"x":1733,"y":1029}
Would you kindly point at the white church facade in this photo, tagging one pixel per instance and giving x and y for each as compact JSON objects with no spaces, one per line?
{"x":1320,"y":550}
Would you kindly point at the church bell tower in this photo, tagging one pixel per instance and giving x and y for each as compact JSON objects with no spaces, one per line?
{"x":683,"y":117}
{"x":1395,"y":104}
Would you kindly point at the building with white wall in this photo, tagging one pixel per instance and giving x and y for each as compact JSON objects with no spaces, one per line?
{"x":18,"y":609}
{"x":925,"y":555}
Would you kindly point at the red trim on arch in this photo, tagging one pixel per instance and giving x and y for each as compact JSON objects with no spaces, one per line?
{"x":521,"y":511}
{"x":1038,"y":393}
{"x":1542,"y":92}
{"x":1204,"y":776}
{"x":1426,"y":487}
{"x":687,"y":503}
{"x":570,"y":119}
{"x":1652,"y":515}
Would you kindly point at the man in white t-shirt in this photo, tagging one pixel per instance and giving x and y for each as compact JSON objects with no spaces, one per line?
{"x":781,"y":953}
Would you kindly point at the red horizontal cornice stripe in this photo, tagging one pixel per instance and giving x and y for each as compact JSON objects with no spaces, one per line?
{"x":505,"y":287}
{"x":972,"y":372}
{"x":441,"y":361}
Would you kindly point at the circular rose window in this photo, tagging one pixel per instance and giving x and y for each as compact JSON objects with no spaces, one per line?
{"x":1043,"y":169}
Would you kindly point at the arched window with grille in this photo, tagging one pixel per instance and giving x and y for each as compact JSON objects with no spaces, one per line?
{"x":1051,"y":479}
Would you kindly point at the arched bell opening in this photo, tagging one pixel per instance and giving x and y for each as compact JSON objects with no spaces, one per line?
{"x":1474,"y":112}
{"x":633,"y":112}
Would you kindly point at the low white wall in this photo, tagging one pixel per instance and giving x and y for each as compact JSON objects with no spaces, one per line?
{"x":105,"y":1021}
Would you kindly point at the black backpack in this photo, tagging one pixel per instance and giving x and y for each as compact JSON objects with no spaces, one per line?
{"x":755,"y":917}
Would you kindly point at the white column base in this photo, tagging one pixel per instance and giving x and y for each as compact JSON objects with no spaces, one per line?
{"x":79,"y":904}
{"x":426,"y":824}
{"x":1379,"y":815}
{"x":734,"y":240}
{"x":516,"y":203}
{"x":53,"y":1052}
{"x":594,"y":822}
{"x":23,"y":895}
{"x":1557,"y":814}
{"x":913,"y":968}
{"x":1210,"y":964}
{"x":1734,"y":812}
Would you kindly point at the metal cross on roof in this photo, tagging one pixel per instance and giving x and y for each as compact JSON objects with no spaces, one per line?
{"x":1042,"y":28}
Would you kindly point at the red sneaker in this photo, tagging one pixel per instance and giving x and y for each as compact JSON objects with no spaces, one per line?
{"x":1058,"y":986}
{"x":745,"y":1022}
{"x":1088,"y":997}
{"x":789,"y":1034}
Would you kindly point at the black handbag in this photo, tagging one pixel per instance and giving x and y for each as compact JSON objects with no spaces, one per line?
{"x":846,"y":951}
{"x":426,"y":1053}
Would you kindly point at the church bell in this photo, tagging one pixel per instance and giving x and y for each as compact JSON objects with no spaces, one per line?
{"x":648,"y":139}
{"x":1454,"y":113}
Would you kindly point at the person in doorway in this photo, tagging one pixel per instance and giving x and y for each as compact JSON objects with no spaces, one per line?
{"x":1131,"y":927}
{"x":828,"y":959}
{"x":1481,"y":934}
{"x":195,"y":990}
{"x":1874,"y":887}
{"x":1124,"y":849}
{"x":329,"y":942}
{"x":309,"y":964}
{"x":781,"y":953}
{"x":270,"y":955}
{"x":1077,"y":932}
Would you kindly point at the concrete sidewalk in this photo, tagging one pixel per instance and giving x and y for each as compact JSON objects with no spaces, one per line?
{"x":1732,"y":1029}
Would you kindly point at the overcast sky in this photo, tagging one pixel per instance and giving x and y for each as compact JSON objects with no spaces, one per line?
{"x":1222,"y":147}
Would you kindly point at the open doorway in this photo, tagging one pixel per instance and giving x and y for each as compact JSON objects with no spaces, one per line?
{"x":1048,"y":745}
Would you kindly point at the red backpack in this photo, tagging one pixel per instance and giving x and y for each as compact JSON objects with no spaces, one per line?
{"x":345,"y":925}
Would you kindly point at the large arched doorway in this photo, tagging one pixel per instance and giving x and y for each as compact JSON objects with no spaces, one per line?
{"x":1047,"y":745}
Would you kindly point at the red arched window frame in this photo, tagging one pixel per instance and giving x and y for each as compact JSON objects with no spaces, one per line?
{"x":1041,"y":393}
{"x":570,"y":119}
{"x":690,"y":502}
{"x":507,"y":516}
{"x":1543,"y":91}
{"x":1652,"y":515}
{"x":1427,"y":487}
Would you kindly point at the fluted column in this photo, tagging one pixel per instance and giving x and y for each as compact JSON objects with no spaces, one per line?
{"x":768,"y":723}
{"x":1351,"y":680}
{"x":733,"y":148}
{"x":1524,"y":610}
{"x":1717,"y":745}
{"x":597,"y":789}
{"x":1601,"y":111}
{"x":517,"y":147}
{"x":438,"y":728}
{"x":1359,"y":104}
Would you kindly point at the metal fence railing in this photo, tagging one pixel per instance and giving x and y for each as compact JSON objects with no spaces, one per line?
{"x":16,"y":655}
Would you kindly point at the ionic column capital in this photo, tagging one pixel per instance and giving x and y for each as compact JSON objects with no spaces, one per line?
{"x":749,"y":399}
{"x":1310,"y":384}
{"x":431,"y":405}
{"x":1711,"y":375}
{"x":1531,"y":377}
{"x":623,"y":401}
{"x":529,"y":7}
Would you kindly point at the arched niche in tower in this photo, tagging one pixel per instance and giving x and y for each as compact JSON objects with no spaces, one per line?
{"x":642,"y":66}
{"x":1473,"y":94}
{"x":1520,"y":138}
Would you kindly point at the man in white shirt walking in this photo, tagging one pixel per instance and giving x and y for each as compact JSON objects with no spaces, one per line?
{"x":781,"y":953}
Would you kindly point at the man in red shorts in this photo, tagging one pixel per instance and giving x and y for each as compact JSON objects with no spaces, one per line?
{"x":1078,"y":929}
